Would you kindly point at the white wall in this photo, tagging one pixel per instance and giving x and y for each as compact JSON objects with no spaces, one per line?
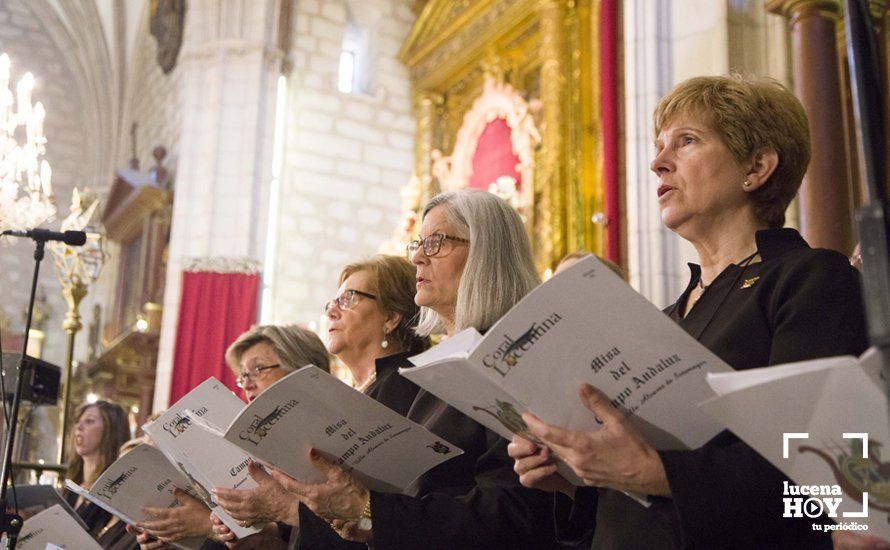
{"x":346,"y":155}
{"x":665,"y":43}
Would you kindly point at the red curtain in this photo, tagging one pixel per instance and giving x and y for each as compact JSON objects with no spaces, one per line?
{"x":494,"y":156}
{"x":609,"y":104}
{"x":214,"y":310}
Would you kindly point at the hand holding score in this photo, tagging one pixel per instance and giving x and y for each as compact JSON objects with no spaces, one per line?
{"x":615,"y":457}
{"x":188,"y":519}
{"x":146,"y":541}
{"x":340,"y":499}
{"x":537,"y":467}
{"x":268,"y":501}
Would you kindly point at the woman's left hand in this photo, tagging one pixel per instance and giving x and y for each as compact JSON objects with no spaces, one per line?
{"x":616,"y":456}
{"x":340,"y":497}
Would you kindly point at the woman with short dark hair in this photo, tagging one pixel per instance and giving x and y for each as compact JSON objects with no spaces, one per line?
{"x":731,"y":152}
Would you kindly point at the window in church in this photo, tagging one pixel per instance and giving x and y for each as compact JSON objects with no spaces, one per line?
{"x":347,"y":72}
{"x":355,"y":75}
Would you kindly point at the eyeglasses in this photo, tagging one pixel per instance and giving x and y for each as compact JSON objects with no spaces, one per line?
{"x":347,"y":300}
{"x":255,"y":374}
{"x":432,"y":245}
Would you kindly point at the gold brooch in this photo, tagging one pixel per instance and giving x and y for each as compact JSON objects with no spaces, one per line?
{"x":749,"y":282}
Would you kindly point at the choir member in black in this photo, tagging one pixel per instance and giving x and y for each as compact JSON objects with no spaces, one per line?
{"x":100,"y":429}
{"x":731,"y":152}
{"x":371,"y":330}
{"x":474,"y":263}
{"x":374,"y":340}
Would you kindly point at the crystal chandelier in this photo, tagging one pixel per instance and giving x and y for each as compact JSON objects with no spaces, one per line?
{"x":26,"y":198}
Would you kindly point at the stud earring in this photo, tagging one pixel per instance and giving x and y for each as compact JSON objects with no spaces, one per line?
{"x":747,"y":184}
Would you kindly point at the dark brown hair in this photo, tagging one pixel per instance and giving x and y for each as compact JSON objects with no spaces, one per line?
{"x":115,"y":432}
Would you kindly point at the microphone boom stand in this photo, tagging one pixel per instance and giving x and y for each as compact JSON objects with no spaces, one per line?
{"x":872,"y":218}
{"x":11,"y":523}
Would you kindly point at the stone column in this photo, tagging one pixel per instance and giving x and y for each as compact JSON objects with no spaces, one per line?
{"x":551,"y":209}
{"x":230,"y":63}
{"x":655,"y":264}
{"x":826,"y":204}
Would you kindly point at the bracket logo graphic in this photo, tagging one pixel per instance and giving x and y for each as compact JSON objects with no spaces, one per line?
{"x":813,"y":501}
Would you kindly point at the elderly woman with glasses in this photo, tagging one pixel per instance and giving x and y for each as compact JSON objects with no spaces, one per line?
{"x":372,"y":320}
{"x":259,"y":357}
{"x":473,"y":263}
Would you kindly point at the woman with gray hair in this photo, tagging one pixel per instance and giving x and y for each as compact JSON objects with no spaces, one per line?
{"x":474,"y":263}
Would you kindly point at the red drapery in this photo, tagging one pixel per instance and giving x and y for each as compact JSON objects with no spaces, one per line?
{"x":214,"y":310}
{"x":494,"y":156}
{"x":609,"y":105}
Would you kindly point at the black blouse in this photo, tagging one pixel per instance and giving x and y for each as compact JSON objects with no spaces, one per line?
{"x":395,"y":392}
{"x":471,"y":501}
{"x":798,"y":303}
{"x":92,"y":515}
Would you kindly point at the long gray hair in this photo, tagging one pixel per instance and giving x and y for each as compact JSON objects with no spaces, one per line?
{"x":499,"y":269}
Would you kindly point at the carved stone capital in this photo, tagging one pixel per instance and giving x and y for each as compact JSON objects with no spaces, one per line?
{"x":801,"y":9}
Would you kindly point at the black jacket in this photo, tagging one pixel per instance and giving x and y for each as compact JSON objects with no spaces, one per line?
{"x":796,"y":304}
{"x":471,"y":501}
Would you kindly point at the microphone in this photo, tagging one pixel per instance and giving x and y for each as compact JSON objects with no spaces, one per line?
{"x":71,"y":238}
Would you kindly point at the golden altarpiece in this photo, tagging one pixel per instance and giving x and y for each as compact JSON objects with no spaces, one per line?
{"x":532,"y":67}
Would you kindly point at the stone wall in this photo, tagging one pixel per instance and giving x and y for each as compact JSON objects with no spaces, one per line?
{"x":346,"y":155}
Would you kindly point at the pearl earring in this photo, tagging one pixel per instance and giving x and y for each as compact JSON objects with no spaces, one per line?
{"x":747,"y":183}
{"x":385,"y":343}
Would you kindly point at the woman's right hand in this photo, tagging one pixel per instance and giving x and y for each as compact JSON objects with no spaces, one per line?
{"x":536,"y":467}
{"x":268,"y":501}
{"x":188,"y":519}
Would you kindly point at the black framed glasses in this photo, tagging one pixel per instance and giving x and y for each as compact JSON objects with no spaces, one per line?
{"x":347,"y":299}
{"x":432,"y":245}
{"x":253,"y":374}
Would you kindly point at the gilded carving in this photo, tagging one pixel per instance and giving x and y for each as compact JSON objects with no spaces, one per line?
{"x":497,"y":100}
{"x":466,"y":43}
{"x":543,"y":52}
{"x":426,"y":109}
{"x":553,"y":85}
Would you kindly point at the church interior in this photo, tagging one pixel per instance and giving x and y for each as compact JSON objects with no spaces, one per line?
{"x":226,"y":158}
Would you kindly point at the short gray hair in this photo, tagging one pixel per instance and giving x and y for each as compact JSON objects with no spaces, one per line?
{"x":500,"y":269}
{"x":294,"y":345}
